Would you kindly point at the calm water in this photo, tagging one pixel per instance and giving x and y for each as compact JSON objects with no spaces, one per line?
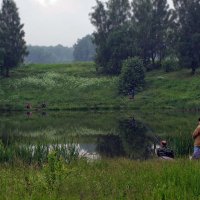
{"x":101,"y":134}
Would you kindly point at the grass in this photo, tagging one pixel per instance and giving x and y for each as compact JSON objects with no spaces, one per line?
{"x":78,"y":87}
{"x":71,"y":87}
{"x":170,"y":91}
{"x":104,"y":179}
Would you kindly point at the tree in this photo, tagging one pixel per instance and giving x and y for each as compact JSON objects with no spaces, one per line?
{"x":188,"y":17}
{"x":111,"y":23}
{"x":152,"y":20}
{"x":84,"y":49}
{"x":132,"y":76}
{"x":1,"y":60}
{"x":12,"y":36}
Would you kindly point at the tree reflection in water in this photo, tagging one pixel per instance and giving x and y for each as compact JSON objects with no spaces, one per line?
{"x":132,"y":141}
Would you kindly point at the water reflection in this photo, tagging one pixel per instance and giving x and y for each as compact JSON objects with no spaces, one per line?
{"x":132,"y":141}
{"x":110,"y":134}
{"x":110,"y":146}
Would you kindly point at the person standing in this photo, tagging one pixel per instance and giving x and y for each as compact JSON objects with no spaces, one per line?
{"x":196,"y":137}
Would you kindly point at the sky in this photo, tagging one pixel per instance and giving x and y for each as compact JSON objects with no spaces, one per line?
{"x":53,"y":22}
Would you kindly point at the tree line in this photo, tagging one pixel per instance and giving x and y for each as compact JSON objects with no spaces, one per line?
{"x":49,"y":55}
{"x":148,"y":29}
{"x":82,"y":50}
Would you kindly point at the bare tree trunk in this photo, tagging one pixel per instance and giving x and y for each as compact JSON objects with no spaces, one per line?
{"x":193,"y":67}
{"x":7,"y":72}
{"x":2,"y":70}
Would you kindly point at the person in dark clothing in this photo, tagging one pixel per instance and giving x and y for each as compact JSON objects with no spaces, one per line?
{"x":164,"y":152}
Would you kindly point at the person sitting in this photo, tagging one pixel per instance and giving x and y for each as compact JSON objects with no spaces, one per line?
{"x":164,"y":152}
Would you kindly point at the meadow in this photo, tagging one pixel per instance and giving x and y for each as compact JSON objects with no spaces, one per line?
{"x":60,"y":87}
{"x":103,"y":179}
{"x":77,"y":86}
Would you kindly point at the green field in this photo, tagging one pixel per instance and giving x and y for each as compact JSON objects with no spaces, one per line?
{"x":107,"y":179}
{"x":78,"y":87}
{"x":71,"y":87}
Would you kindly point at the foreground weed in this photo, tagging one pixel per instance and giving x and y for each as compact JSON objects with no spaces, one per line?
{"x":54,"y":170}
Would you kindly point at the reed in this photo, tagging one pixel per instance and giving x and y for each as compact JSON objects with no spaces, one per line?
{"x":37,"y":153}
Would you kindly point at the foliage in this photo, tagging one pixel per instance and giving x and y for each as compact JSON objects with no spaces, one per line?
{"x":170,"y":64}
{"x":12,"y":36}
{"x":84,"y":49}
{"x":132,"y":76}
{"x":49,"y":55}
{"x":120,"y":34}
{"x":152,"y":20}
{"x":54,"y":170}
{"x":188,"y":17}
{"x":111,"y":36}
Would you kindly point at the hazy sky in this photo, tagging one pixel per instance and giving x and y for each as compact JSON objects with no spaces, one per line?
{"x":52,"y":22}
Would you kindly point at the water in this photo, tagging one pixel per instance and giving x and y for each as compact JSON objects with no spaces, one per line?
{"x":101,"y":134}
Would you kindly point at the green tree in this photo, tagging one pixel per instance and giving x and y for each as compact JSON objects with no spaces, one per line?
{"x":84,"y":49}
{"x":12,"y":36}
{"x":188,"y":17}
{"x":152,"y":20}
{"x":132,"y":76}
{"x":141,"y":20}
{"x":111,"y":23}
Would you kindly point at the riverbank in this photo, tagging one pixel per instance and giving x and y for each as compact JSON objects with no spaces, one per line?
{"x":104,"y":179}
{"x":78,"y":87}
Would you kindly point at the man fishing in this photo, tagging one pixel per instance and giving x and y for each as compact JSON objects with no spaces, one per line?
{"x":196,"y":137}
{"x":164,"y":152}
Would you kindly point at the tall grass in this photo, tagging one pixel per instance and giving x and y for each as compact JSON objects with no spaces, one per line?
{"x":105,"y":179}
{"x":37,"y":153}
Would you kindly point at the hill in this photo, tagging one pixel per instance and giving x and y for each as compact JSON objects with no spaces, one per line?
{"x":78,"y":87}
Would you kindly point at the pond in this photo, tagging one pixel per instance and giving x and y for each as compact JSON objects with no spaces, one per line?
{"x":101,"y":134}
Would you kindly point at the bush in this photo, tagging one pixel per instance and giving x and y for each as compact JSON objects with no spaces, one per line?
{"x":151,"y":66}
{"x":131,"y":77}
{"x":170,"y":65}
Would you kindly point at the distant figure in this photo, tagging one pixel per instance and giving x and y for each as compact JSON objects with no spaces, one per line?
{"x":196,"y":137}
{"x":43,"y":105}
{"x":164,"y":152}
{"x":28,"y":106}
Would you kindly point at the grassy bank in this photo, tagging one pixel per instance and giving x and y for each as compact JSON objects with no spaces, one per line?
{"x":78,"y":87}
{"x":71,"y":87}
{"x":176,"y":90}
{"x":106,"y":179}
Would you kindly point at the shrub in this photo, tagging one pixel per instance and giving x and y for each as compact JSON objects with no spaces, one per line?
{"x":170,"y":65}
{"x":132,"y":76}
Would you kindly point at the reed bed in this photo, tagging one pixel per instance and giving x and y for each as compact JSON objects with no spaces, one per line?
{"x":37,"y":153}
